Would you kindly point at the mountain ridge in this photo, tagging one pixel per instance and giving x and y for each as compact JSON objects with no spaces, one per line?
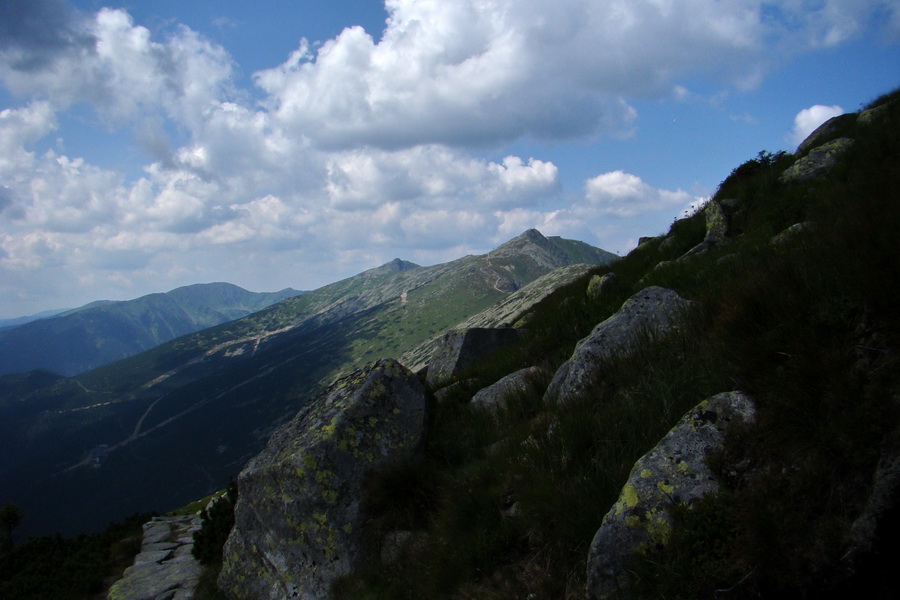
{"x":80,"y":339}
{"x":220,"y":392}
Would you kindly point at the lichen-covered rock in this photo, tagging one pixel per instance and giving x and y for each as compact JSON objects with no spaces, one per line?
{"x":653,"y":309}
{"x":716,"y":230}
{"x":462,"y":349}
{"x":600,"y":285}
{"x":818,"y":162}
{"x":673,"y":472}
{"x":825,"y":132}
{"x":164,"y":568}
{"x":783,"y":237}
{"x":514,"y":383}
{"x":867,"y":117}
{"x":298,"y":519}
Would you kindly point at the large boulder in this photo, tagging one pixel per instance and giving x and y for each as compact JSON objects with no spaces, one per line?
{"x":654,"y":309}
{"x":674,"y":472}
{"x":298,"y":521}
{"x":818,"y":162}
{"x":826,"y":132}
{"x":462,"y":349}
{"x":493,"y":396}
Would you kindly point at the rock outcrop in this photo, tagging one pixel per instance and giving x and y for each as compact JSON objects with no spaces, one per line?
{"x":298,"y":521}
{"x":673,"y":472}
{"x":165,"y":568}
{"x":463,"y":349}
{"x":653,"y":309}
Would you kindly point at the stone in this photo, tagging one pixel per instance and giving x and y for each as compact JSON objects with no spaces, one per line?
{"x":716,"y":230}
{"x":654,"y":309}
{"x":673,"y":472}
{"x":601,"y":285}
{"x":716,"y":223}
{"x":867,"y":117}
{"x":493,"y":395}
{"x":298,"y":518}
{"x":791,"y":232}
{"x":825,"y":132}
{"x":462,"y":349}
{"x":818,"y":162}
{"x":392,"y":545}
{"x":165,"y":567}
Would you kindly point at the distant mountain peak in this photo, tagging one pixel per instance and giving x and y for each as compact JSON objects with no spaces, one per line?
{"x":395,"y":266}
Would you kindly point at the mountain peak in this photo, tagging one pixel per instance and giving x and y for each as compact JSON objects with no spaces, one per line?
{"x":395,"y":266}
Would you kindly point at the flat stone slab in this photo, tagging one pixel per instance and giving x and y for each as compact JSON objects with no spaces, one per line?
{"x":165,"y":569}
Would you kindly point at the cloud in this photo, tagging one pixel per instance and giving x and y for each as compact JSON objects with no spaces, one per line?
{"x":358,"y":149}
{"x":808,"y":119}
{"x":33,"y":33}
{"x":621,"y":194}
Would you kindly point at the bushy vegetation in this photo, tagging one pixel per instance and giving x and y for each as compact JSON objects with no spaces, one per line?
{"x":505,"y":506}
{"x":70,"y":568}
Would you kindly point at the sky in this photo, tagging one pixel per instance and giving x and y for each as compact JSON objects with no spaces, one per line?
{"x":291,"y":143}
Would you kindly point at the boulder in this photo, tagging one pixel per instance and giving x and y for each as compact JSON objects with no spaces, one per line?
{"x":788,"y":234}
{"x":298,"y":520}
{"x":515,"y":383}
{"x":653,"y":309}
{"x":164,"y":568}
{"x":818,"y":162}
{"x":674,"y":472}
{"x":600,"y":285}
{"x":825,"y":132}
{"x":716,"y":230}
{"x":462,"y":349}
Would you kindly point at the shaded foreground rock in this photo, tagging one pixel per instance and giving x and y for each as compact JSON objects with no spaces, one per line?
{"x":165,"y":568}
{"x":298,"y":522}
{"x":653,"y":309}
{"x":514,"y":383}
{"x":673,"y":472}
{"x":462,"y":349}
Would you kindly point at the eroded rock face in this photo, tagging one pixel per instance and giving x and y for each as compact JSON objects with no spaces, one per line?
{"x":165,"y":567}
{"x":298,"y":520}
{"x":673,"y":472}
{"x":652,"y":309}
{"x":462,"y":349}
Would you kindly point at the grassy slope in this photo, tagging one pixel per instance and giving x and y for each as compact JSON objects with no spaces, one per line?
{"x":810,"y":328}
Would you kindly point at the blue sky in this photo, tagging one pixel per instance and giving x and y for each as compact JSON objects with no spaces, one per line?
{"x":148,"y":145}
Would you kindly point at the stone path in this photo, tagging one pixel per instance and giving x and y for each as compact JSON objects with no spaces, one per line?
{"x":165,"y":569}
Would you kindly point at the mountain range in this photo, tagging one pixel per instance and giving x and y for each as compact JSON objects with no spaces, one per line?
{"x":81,"y":339}
{"x":171,"y":424}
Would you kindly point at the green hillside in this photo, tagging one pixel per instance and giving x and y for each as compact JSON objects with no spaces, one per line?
{"x":103,"y":332}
